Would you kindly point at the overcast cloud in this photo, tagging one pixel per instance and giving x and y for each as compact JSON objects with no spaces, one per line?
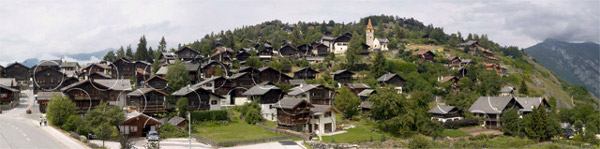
{"x":41,"y":28}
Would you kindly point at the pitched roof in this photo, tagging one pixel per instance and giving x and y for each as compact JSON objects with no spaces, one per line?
{"x":366,"y":92}
{"x":9,"y":88}
{"x":446,"y":79}
{"x":321,"y":109}
{"x":49,"y":63}
{"x":529,"y":103}
{"x":383,"y":40}
{"x":365,"y":104}
{"x":306,"y":69}
{"x":157,"y":77}
{"x":8,"y":81}
{"x":507,"y":89}
{"x":142,"y":91}
{"x":112,"y":84}
{"x":289,"y":103}
{"x":47,"y":95}
{"x":327,"y":38}
{"x":490,"y":105}
{"x":162,"y":70}
{"x":16,"y":64}
{"x":304,"y":88}
{"x":168,"y":55}
{"x":357,"y":85}
{"x":387,"y":77}
{"x":187,"y":90}
{"x":134,"y":114}
{"x":237,"y":75}
{"x":468,"y":43}
{"x":342,"y":71}
{"x":441,"y":109}
{"x":260,"y":90}
{"x":176,"y":120}
{"x":102,"y":74}
{"x":421,"y":52}
{"x":297,"y":81}
{"x":192,"y":66}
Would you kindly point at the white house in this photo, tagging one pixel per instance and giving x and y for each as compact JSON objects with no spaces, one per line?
{"x":341,"y":43}
{"x":381,"y":44}
{"x":323,"y":119}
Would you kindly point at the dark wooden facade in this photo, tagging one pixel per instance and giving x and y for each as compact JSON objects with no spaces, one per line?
{"x":320,"y":50}
{"x":48,"y":79}
{"x":157,"y":82}
{"x":294,"y":118}
{"x":210,"y":69}
{"x":304,"y":50}
{"x":86,"y":95}
{"x":243,"y":56}
{"x":271,"y":75}
{"x":125,"y":69}
{"x":305,"y":73}
{"x":343,"y":76}
{"x":188,"y":54}
{"x":287,"y":51}
{"x":241,"y":80}
{"x":9,"y":94}
{"x":18,"y":71}
{"x":138,"y":125}
{"x":147,"y":100}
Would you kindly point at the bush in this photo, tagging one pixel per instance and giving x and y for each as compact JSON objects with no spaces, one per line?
{"x":83,"y":139}
{"x":217,"y":115}
{"x":462,"y":123}
{"x":170,"y":131}
{"x":253,"y":116}
{"x":419,"y":142}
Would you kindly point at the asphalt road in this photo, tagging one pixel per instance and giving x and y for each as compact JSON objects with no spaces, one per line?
{"x":17,"y":130}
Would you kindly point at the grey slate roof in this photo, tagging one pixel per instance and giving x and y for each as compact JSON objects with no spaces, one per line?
{"x":297,"y":81}
{"x":358,"y":85}
{"x":366,"y":92}
{"x":8,"y":81}
{"x":440,"y":109}
{"x":327,"y":38}
{"x":187,"y":90}
{"x":306,"y":69}
{"x":192,"y":67}
{"x":386,"y":77}
{"x":237,"y":75}
{"x":490,"y":105}
{"x":176,"y":120}
{"x":507,"y":89}
{"x":260,"y":90}
{"x":304,"y":88}
{"x":102,"y":74}
{"x":365,"y":104}
{"x":529,"y":103}
{"x":321,"y":109}
{"x":142,"y":91}
{"x":341,"y":71}
{"x":43,"y":96}
{"x":289,"y":103}
{"x":468,"y":43}
{"x":112,"y":84}
{"x":162,"y":70}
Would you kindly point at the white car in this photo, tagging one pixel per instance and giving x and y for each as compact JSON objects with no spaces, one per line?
{"x":152,"y":136}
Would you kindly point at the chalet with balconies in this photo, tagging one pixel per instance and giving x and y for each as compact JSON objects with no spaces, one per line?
{"x":492,"y":108}
{"x":314,"y":93}
{"x":288,"y":51}
{"x":356,"y":88}
{"x":87,"y":94}
{"x":146,"y":100}
{"x":267,"y":96}
{"x":199,"y":98}
{"x":124,"y":69}
{"x":443,"y":113}
{"x":293,"y":114}
{"x":343,"y":76}
{"x":95,"y":67}
{"x":144,"y":65}
{"x":18,"y":71}
{"x":424,"y":55}
{"x":47,"y":64}
{"x":48,"y":79}
{"x":392,"y":79}
{"x":187,"y":54}
{"x":305,"y":73}
{"x":43,"y":98}
{"x":271,"y":75}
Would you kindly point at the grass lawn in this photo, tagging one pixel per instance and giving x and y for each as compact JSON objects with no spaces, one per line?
{"x":454,"y":133}
{"x":353,"y":135}
{"x":271,"y":124}
{"x":235,"y":131}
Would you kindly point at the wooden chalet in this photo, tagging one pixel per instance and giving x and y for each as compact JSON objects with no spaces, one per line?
{"x":288,"y":51}
{"x":452,"y":79}
{"x":364,"y":49}
{"x":18,"y":71}
{"x":9,"y":91}
{"x":43,"y":98}
{"x":271,"y":75}
{"x":124,"y":69}
{"x":147,"y":100}
{"x":443,"y":113}
{"x":267,"y":95}
{"x":293,"y":114}
{"x":472,"y":45}
{"x":95,"y":67}
{"x":241,"y":80}
{"x":47,"y":64}
{"x":320,"y":50}
{"x":188,"y":54}
{"x":305,"y":73}
{"x":462,"y":72}
{"x":167,"y":58}
{"x":315,"y":93}
{"x":138,"y":124}
{"x":210,"y":69}
{"x":488,"y":53}
{"x":143,"y":65}
{"x":454,"y":60}
{"x":48,"y":79}
{"x":199,"y":98}
{"x":242,"y":55}
{"x":392,"y":79}
{"x":507,"y":91}
{"x":341,"y":43}
{"x":304,"y":50}
{"x":141,"y":76}
{"x":99,"y":75}
{"x":343,"y":76}
{"x":157,"y":82}
{"x":424,"y":55}
{"x":193,"y":72}
{"x":492,"y":108}
{"x":356,"y":88}
{"x":87,"y":94}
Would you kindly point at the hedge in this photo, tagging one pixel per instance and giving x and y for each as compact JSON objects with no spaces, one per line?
{"x":461,"y":123}
{"x":217,"y":115}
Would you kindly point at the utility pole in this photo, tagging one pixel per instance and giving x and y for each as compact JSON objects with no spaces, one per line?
{"x":190,"y":129}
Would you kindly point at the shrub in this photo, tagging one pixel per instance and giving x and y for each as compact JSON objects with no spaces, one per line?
{"x":217,"y":115}
{"x":170,"y":131}
{"x":419,"y":142}
{"x":83,"y":139}
{"x":462,"y":123}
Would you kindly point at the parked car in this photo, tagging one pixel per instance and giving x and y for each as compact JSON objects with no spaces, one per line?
{"x":91,"y":136}
{"x":152,"y":136}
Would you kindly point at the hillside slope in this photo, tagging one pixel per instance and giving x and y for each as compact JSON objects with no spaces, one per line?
{"x":577,"y":63}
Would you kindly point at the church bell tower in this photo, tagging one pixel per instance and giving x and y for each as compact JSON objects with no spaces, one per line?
{"x":369,"y":32}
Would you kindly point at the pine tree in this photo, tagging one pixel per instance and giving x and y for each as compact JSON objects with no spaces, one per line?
{"x":121,"y":52}
{"x":162,"y":45}
{"x":129,"y":53}
{"x":141,"y":53}
{"x":378,"y":68}
{"x":347,"y":102}
{"x":523,"y":88}
{"x":177,"y":75}
{"x":353,"y":52}
{"x":151,"y":55}
{"x":110,"y":56}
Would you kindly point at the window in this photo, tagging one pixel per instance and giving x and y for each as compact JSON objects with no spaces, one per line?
{"x":213,"y":102}
{"x":328,"y":114}
{"x":132,"y":129}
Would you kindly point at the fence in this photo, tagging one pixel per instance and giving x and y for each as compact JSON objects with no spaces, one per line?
{"x":285,"y":131}
{"x":241,"y":142}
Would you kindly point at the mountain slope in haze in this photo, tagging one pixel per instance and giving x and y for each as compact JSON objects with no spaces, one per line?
{"x":577,"y":63}
{"x":82,"y":58}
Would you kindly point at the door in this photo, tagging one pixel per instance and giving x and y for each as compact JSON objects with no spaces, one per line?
{"x":328,"y":127}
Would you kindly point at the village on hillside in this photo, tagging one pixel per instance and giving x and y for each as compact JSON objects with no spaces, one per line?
{"x":336,"y":87}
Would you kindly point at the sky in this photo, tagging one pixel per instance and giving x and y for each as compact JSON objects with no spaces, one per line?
{"x":42,"y":29}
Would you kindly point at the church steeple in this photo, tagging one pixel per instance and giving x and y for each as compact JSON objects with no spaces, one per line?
{"x":370,"y":34}
{"x":369,"y":26}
